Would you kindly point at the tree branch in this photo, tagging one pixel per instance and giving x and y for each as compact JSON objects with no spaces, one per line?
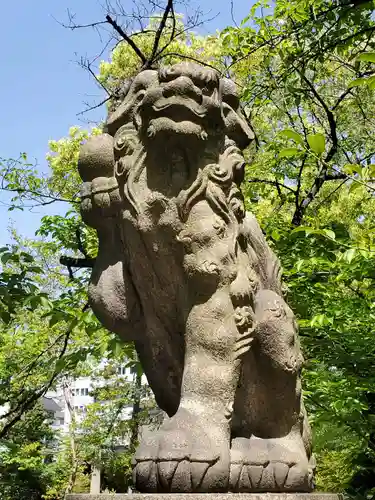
{"x":322,"y":175}
{"x":190,"y":58}
{"x":28,"y":403}
{"x":248,"y":121}
{"x":330,"y":117}
{"x":77,"y":262}
{"x":80,"y":245}
{"x":277,"y":184}
{"x":159,"y":32}
{"x":127,"y":38}
{"x":341,"y":98}
{"x":335,"y":177}
{"x":40,"y":195}
{"x":331,"y":194}
{"x":86,"y":64}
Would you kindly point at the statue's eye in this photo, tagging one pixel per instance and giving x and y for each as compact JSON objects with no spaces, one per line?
{"x":207,"y":88}
{"x":166,"y":74}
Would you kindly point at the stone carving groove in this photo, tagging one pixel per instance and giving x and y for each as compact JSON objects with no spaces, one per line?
{"x":185,"y":272}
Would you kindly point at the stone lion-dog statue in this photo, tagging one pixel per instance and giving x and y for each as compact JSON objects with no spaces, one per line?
{"x":185,"y":272}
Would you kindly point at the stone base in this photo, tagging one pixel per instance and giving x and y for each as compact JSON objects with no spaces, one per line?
{"x":207,"y":496}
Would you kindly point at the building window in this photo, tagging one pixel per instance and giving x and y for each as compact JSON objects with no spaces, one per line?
{"x":80,"y":409}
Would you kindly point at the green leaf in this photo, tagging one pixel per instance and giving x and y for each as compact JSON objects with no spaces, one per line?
{"x":299,"y":264}
{"x":351,"y":168}
{"x":371,"y":83}
{"x":45,"y":302}
{"x":27,"y":257}
{"x":330,"y":234}
{"x":367,"y":57}
{"x":350,"y":254}
{"x":55,"y":318}
{"x":245,"y":20}
{"x":318,"y":319}
{"x":287,"y":152}
{"x":291,"y":134}
{"x":358,"y":82}
{"x":302,"y":229}
{"x":5,"y":316}
{"x":275,"y":235}
{"x":35,"y":269}
{"x":354,"y":186}
{"x":6,"y":257}
{"x":317,"y":143}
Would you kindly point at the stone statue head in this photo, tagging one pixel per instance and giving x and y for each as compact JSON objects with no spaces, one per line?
{"x":180,"y":115}
{"x":186,"y":103}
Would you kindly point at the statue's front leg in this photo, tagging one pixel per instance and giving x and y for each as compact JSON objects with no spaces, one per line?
{"x":112,"y":294}
{"x":271,"y":446}
{"x":192,"y":450}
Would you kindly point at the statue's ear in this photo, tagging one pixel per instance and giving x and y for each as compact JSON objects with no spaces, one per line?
{"x":236,"y":127}
{"x":131,"y":97}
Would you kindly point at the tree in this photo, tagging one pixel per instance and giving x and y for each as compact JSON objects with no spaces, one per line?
{"x":24,"y":470}
{"x":107,"y":433}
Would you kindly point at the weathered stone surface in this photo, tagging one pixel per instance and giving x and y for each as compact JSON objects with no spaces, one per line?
{"x":185,"y":271}
{"x":210,"y":496}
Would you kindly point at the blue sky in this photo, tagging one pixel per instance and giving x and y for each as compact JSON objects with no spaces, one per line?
{"x":42,"y":87}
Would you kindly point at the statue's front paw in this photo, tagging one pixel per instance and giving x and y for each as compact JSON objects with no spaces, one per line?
{"x":181,"y":458}
{"x":269,"y":465}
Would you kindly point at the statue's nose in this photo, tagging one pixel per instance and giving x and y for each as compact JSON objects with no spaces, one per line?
{"x":182,"y":85}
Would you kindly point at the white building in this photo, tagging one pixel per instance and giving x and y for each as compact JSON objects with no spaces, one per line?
{"x":80,"y":394}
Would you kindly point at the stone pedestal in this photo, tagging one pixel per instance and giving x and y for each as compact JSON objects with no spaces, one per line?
{"x":208,"y":496}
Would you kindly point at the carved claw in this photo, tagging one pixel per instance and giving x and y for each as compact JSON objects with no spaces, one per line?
{"x":280,"y":472}
{"x":146,"y":476}
{"x":264,"y":465}
{"x":297,"y":479}
{"x":181,"y":480}
{"x":243,"y":316}
{"x":168,"y":476}
{"x":255,"y":475}
{"x":182,"y":459}
{"x":198,"y":472}
{"x":166,"y":472}
{"x":243,"y":343}
{"x":275,"y":476}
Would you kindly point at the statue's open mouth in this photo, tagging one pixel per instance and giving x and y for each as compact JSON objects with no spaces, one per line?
{"x":175,"y":108}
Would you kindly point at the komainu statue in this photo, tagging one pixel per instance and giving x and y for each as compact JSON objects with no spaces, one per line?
{"x":185,"y":272}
